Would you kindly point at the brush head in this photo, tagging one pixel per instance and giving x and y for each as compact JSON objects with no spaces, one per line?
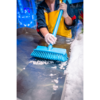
{"x":53,"y":54}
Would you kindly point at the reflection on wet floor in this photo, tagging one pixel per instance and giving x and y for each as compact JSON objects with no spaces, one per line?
{"x":39,"y":79}
{"x":37,"y":82}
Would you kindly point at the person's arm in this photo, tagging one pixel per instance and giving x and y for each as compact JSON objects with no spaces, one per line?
{"x":44,"y":31}
{"x":68,"y":14}
{"x":41,"y":24}
{"x":68,"y":20}
{"x":42,"y":28}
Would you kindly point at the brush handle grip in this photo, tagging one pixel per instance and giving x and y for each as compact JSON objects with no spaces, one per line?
{"x":57,"y":25}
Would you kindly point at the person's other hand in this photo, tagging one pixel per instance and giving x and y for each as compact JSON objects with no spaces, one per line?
{"x":63,"y":7}
{"x":49,"y":38}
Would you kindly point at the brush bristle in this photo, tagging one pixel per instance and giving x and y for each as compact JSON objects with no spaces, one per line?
{"x":49,"y":55}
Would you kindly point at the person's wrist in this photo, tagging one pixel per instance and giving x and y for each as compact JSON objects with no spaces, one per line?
{"x":65,"y":15}
{"x":45,"y":35}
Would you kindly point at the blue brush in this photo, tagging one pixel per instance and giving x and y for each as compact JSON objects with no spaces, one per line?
{"x":50,"y":52}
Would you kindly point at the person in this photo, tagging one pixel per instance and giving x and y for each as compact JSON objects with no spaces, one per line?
{"x":47,"y":14}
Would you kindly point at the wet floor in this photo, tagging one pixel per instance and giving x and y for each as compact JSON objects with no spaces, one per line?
{"x":39,"y":79}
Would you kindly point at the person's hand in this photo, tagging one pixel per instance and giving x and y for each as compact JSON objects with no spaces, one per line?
{"x":49,"y":38}
{"x":63,"y":7}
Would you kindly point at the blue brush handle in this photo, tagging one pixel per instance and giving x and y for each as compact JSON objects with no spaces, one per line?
{"x":57,"y":25}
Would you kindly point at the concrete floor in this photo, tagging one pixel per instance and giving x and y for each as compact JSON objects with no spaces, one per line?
{"x":33,"y":80}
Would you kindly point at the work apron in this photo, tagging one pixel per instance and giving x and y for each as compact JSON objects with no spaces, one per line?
{"x":51,"y":19}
